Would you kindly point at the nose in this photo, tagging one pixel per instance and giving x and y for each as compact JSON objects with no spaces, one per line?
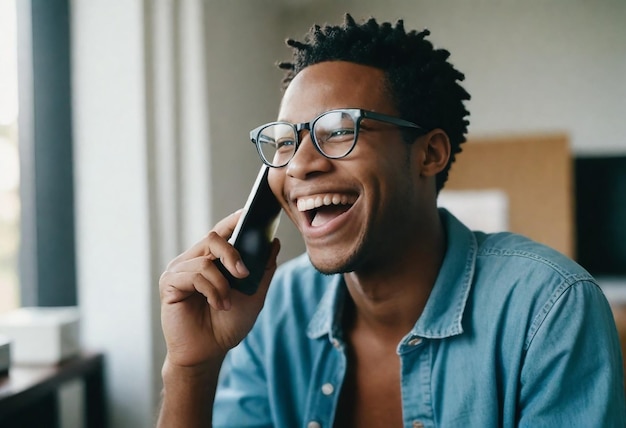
{"x":307,"y":160}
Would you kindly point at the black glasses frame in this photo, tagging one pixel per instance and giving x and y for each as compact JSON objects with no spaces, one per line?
{"x":357,"y":116}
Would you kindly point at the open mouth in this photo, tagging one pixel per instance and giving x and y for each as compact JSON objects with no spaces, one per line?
{"x":320,"y":209}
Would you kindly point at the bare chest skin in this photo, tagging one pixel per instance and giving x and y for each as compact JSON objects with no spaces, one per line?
{"x":370,"y":395}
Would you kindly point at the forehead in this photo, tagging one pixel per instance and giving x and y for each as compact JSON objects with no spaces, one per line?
{"x":334,"y":84}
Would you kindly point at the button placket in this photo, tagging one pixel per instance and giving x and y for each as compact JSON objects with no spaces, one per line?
{"x":416,"y":370}
{"x":414,"y":341}
{"x":328,"y":389}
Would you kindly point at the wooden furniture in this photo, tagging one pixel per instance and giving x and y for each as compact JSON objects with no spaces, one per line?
{"x":619,"y":313}
{"x":29,"y":395}
{"x":535,"y":172}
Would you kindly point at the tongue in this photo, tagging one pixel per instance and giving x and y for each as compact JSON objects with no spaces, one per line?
{"x":326,"y":214}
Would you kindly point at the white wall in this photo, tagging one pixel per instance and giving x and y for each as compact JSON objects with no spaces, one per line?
{"x":147,"y":122}
{"x":244,"y":91}
{"x":113,"y":241}
{"x":531,"y":66}
{"x":162,"y":153}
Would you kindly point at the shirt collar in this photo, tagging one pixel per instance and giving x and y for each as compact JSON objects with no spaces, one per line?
{"x":327,"y":317}
{"x":442,"y":316}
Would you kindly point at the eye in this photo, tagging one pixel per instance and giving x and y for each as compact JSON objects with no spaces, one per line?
{"x":342,"y":132}
{"x":285,"y":144}
{"x":339,"y":135}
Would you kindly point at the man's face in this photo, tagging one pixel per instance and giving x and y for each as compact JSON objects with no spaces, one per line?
{"x":365,"y":204}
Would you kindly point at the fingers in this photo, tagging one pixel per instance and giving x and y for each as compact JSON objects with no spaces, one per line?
{"x":194,"y":271}
{"x":215,"y":246}
{"x":215,"y":239}
{"x":198,"y":275}
{"x":218,"y":248}
{"x":226,"y":226}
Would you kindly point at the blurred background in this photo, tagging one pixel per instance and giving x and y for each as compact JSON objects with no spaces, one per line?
{"x":124,"y":138}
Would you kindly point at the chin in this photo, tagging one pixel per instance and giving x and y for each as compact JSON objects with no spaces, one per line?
{"x":334,"y":265}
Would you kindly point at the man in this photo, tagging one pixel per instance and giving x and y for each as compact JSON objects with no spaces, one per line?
{"x":398,"y":315}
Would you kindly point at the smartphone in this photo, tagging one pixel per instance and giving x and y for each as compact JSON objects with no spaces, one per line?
{"x":254,"y":233}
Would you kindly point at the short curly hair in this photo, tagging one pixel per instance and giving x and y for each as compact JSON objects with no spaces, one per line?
{"x":422,"y":83}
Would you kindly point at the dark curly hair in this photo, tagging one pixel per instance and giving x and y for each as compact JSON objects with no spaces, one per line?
{"x":422,"y":83}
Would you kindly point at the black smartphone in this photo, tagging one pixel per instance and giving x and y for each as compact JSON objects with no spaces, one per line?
{"x":254,"y":233}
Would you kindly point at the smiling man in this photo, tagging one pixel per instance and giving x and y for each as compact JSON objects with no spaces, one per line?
{"x":398,"y":315}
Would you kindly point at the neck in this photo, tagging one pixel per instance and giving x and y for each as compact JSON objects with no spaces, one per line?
{"x":390,"y":297}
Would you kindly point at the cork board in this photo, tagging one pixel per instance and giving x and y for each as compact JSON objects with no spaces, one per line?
{"x":535,"y":172}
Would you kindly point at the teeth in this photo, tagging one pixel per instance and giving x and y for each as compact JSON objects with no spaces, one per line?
{"x":311,"y":202}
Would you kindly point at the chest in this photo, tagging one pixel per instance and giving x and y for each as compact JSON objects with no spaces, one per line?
{"x":428,"y":384}
{"x":371,"y":393}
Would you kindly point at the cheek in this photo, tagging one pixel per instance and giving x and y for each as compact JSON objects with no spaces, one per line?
{"x":276,"y":179}
{"x":394,"y":191}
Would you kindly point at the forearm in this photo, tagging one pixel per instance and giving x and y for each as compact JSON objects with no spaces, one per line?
{"x":188,"y":394}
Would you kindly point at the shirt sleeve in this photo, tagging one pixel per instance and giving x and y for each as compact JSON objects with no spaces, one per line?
{"x":572,"y":373}
{"x":242,"y":399}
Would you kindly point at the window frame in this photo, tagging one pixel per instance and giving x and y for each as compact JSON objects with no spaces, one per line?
{"x":47,"y":257}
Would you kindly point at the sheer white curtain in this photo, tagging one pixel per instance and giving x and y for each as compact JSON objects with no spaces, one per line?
{"x":142,"y":178}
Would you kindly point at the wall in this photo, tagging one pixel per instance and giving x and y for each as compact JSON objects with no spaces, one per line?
{"x":111,"y":200}
{"x":147,"y":181}
{"x":161,"y":153}
{"x":243,"y":46}
{"x":530,"y":65}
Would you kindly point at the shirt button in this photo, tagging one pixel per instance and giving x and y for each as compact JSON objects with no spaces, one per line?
{"x":418,"y":424}
{"x":415,"y":341}
{"x":313,"y":424}
{"x":327,"y":389}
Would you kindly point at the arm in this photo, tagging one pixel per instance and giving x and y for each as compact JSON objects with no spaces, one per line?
{"x":202,"y":320}
{"x":572,"y":374}
{"x":188,"y":395}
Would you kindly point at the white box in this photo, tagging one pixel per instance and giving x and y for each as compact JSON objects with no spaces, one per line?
{"x":42,"y":335}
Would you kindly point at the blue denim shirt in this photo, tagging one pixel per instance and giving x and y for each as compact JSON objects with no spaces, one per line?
{"x":513,"y":334}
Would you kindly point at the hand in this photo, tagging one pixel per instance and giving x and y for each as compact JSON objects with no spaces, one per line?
{"x":201,"y":317}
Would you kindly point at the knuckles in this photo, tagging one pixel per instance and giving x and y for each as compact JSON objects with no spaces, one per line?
{"x":212,"y":236}
{"x":195,"y":265}
{"x":163,"y":281}
{"x":205,"y":264}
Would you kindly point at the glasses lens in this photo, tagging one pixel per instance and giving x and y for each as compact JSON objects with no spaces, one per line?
{"x":335,"y":133}
{"x":277,"y":143}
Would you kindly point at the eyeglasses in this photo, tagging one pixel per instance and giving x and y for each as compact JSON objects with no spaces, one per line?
{"x":334,"y":134}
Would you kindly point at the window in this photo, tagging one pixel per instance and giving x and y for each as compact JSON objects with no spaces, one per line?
{"x":36,"y":214}
{"x":9,"y":159}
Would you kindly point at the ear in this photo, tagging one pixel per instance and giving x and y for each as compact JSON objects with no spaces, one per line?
{"x":435,"y":152}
